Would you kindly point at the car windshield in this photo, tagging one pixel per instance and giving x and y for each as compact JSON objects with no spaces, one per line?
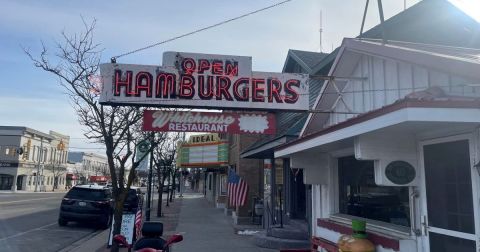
{"x":86,"y":194}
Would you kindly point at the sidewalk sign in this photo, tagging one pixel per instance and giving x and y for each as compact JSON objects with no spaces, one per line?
{"x":128,"y":221}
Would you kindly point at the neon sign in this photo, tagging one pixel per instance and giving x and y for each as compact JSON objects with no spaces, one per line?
{"x":187,"y":121}
{"x":203,"y":81}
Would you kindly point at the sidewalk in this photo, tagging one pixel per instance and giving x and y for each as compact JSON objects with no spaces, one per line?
{"x":204,"y":228}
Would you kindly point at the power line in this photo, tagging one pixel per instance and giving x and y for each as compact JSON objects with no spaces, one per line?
{"x":200,"y":30}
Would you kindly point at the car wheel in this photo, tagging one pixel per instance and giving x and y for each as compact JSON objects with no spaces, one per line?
{"x":62,"y":222}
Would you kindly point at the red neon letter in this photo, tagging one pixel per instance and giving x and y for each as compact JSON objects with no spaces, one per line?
{"x":141,"y":86}
{"x":231,"y":69}
{"x":257,"y":92}
{"x":165,"y":85}
{"x":241,"y":82}
{"x":274,"y":86}
{"x":201,"y":87}
{"x":217,"y":67}
{"x":186,"y":84}
{"x":127,"y":83}
{"x":188,"y":66}
{"x":223,"y":85}
{"x":291,"y":96}
{"x":203,"y":65}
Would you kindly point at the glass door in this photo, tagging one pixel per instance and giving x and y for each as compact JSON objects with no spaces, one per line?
{"x":449,"y":220}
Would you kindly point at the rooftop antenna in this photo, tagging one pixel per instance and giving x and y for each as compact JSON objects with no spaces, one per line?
{"x":321,"y":30}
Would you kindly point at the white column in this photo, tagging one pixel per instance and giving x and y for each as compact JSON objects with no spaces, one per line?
{"x":14,"y":184}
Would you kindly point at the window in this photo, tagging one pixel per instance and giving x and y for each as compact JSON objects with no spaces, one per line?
{"x":87,"y":194}
{"x":223,"y":184}
{"x":360,"y":196}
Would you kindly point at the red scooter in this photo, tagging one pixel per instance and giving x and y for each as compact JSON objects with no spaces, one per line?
{"x":151,"y":240}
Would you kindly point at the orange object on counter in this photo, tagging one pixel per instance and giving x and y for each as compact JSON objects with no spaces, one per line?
{"x":357,"y":242}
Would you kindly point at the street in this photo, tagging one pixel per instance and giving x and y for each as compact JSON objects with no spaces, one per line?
{"x":28,"y":222}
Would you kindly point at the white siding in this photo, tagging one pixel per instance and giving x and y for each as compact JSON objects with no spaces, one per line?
{"x":387,"y":81}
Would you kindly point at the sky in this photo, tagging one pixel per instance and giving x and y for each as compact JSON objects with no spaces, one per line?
{"x":33,"y":98}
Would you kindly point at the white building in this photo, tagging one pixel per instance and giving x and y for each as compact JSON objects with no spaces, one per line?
{"x":87,"y":167}
{"x":399,"y":149}
{"x":31,"y":160}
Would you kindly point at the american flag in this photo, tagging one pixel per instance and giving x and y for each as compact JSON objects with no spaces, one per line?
{"x":138,"y":222}
{"x":237,"y":189}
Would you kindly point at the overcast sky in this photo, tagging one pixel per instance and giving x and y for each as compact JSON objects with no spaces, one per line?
{"x":32,"y":98}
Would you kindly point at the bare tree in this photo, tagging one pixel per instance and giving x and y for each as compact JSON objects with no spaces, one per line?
{"x":76,"y":62}
{"x":164,"y":158}
{"x":57,"y":170}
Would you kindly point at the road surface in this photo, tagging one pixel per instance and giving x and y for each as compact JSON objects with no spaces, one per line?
{"x":28,"y":222}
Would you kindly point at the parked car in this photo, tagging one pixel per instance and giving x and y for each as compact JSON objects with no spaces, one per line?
{"x":134,"y":197}
{"x":87,"y":203}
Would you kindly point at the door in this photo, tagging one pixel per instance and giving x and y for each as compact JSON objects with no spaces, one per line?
{"x":19,"y":182}
{"x":448,"y":218}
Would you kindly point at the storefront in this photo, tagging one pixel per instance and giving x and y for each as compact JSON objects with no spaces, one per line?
{"x":400,"y":148}
{"x":207,"y":154}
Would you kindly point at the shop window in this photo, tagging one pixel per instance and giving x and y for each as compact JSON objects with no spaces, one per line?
{"x":209,"y":181}
{"x":361,"y":197}
{"x":223,"y":184}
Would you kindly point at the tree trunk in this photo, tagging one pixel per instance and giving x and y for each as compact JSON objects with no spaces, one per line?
{"x":168,"y":189}
{"x":117,"y":217}
{"x":160,"y":199}
{"x":173,"y":187}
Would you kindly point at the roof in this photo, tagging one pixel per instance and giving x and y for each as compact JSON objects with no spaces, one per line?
{"x":305,"y":59}
{"x":26,"y":129}
{"x":428,"y":22}
{"x":463,"y":62}
{"x":288,"y":128}
{"x":424,"y":99}
{"x":92,"y":186}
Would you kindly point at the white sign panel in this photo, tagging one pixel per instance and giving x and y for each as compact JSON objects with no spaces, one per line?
{"x":203,"y":81}
{"x":128,"y":222}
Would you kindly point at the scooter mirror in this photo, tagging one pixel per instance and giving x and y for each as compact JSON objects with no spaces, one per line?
{"x":174,"y":239}
{"x":120,"y":239}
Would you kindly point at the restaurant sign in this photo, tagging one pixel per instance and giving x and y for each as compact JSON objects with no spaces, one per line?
{"x":187,"y":121}
{"x":206,"y":150}
{"x":202,"y":81}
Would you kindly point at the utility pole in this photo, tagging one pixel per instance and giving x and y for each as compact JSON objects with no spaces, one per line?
{"x":40,"y":154}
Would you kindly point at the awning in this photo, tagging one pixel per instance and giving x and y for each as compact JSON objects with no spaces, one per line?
{"x":414,"y":114}
{"x":98,"y":179}
{"x":71,"y":176}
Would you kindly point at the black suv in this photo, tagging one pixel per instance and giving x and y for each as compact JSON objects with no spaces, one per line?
{"x":87,"y":203}
{"x":134,"y":198}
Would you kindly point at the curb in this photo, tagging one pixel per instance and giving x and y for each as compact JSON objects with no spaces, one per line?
{"x":77,"y":244}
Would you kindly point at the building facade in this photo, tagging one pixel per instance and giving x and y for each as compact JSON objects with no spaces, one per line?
{"x":399,"y":149}
{"x":31,"y":160}
{"x":87,"y":167}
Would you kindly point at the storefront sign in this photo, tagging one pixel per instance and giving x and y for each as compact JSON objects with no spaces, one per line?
{"x":204,"y":138}
{"x":232,"y":123}
{"x":203,"y":81}
{"x":205,"y":150}
{"x":8,"y":164}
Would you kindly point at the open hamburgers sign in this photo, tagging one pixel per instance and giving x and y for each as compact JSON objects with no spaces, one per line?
{"x":203,"y":81}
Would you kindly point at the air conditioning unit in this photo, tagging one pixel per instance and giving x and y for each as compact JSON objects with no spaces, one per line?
{"x":396,"y":172}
